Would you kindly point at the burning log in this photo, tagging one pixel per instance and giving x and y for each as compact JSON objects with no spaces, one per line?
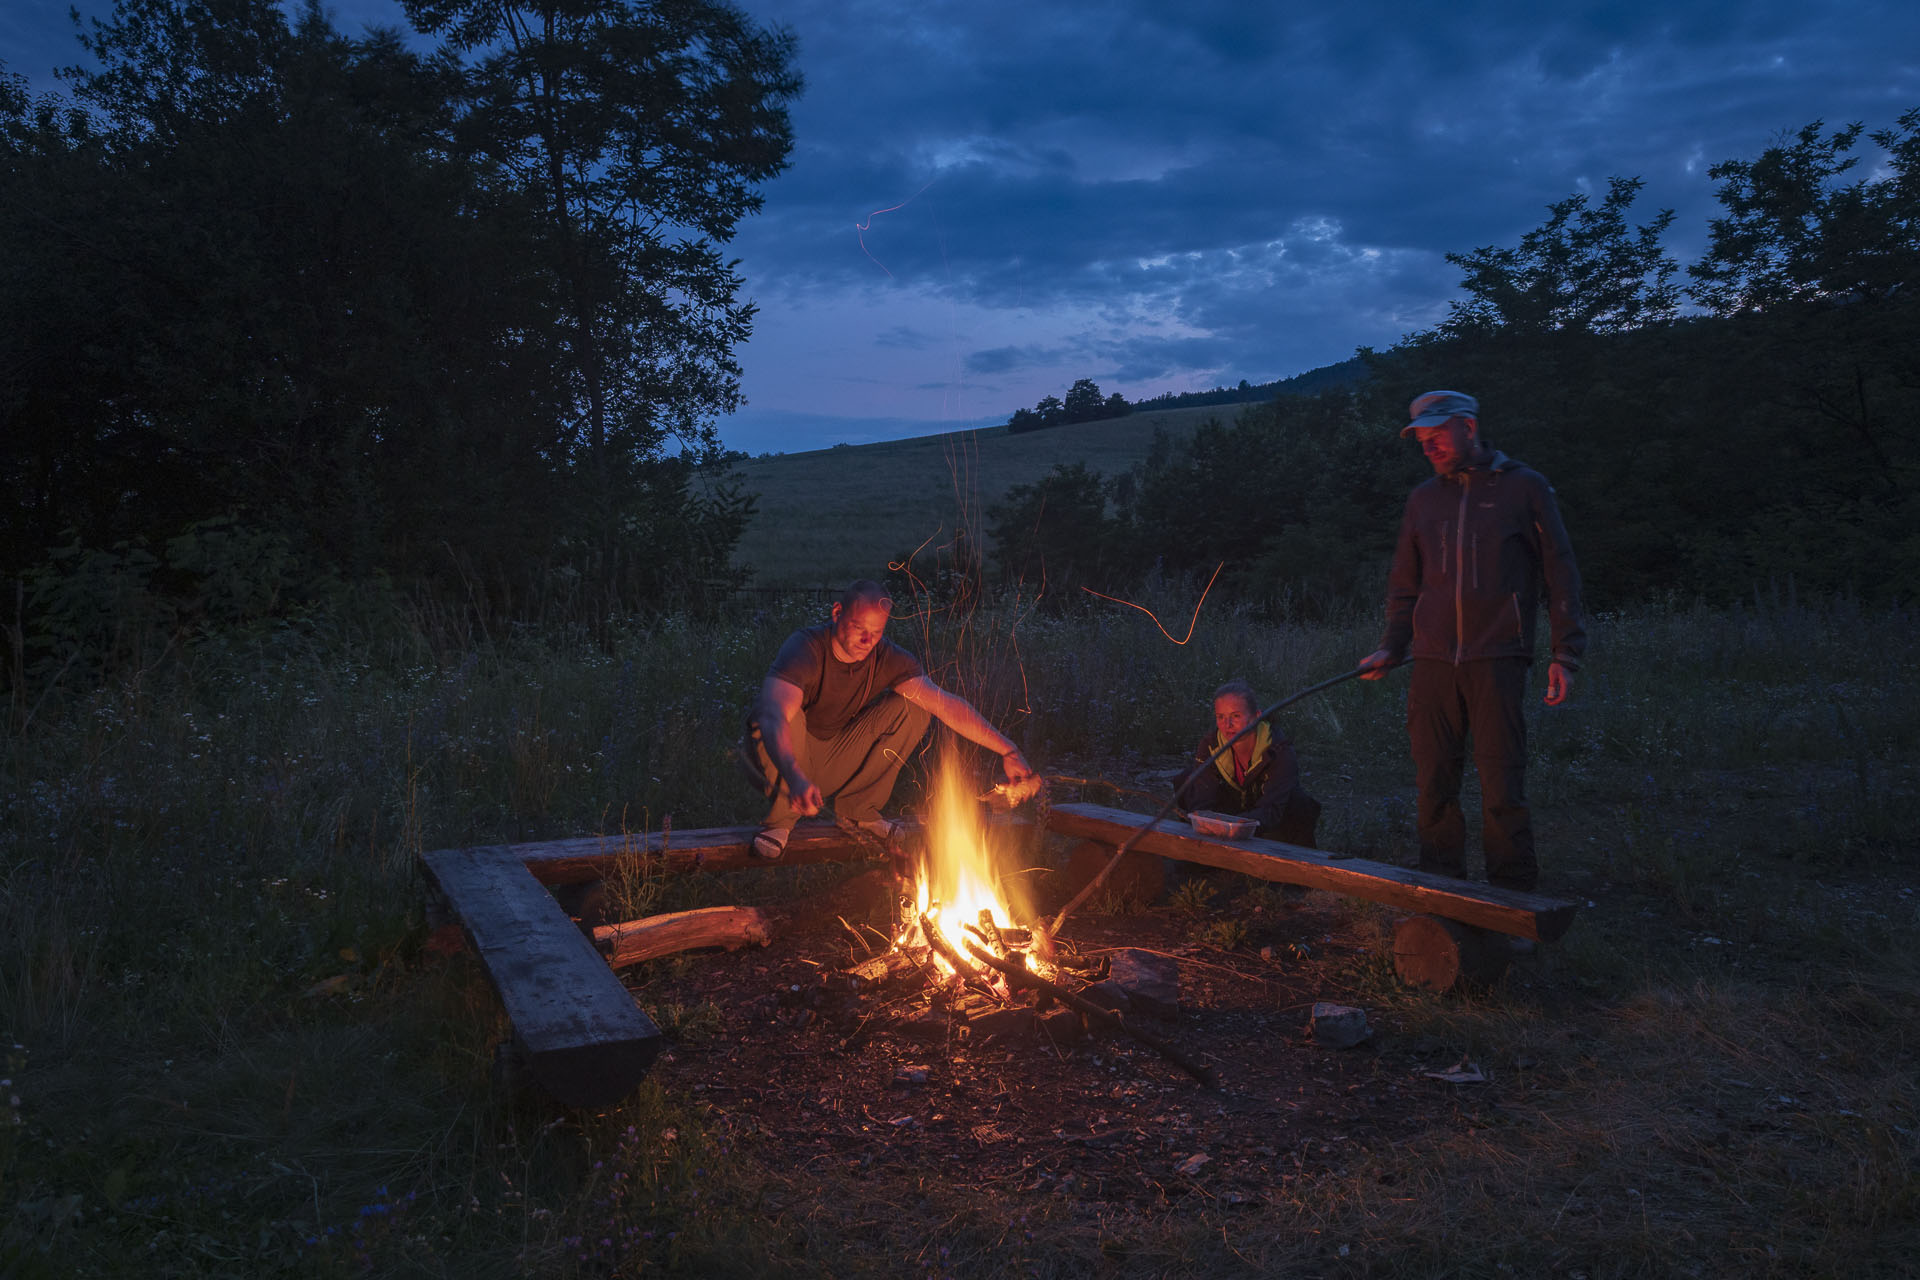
{"x":662,"y":935}
{"x":945,"y":951}
{"x":989,"y":932}
{"x":1019,"y":975}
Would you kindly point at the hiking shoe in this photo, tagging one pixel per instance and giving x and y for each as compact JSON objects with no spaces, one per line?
{"x":772,"y":842}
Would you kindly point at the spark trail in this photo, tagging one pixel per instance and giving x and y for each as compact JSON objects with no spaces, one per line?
{"x":860,"y":229}
{"x":1156,"y":621}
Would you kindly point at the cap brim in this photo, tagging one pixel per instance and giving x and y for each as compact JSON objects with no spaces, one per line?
{"x":1431,"y":420}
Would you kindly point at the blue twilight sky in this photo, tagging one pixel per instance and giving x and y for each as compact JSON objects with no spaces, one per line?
{"x":1173,"y":195}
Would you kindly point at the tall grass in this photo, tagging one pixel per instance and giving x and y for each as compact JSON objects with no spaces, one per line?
{"x":237,"y":1057}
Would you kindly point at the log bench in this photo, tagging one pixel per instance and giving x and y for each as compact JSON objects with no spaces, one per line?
{"x":576,"y":1028}
{"x":586,"y":1043}
{"x":1453,"y":935}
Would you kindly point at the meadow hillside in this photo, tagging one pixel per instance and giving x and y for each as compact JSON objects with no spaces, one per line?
{"x":832,"y":515}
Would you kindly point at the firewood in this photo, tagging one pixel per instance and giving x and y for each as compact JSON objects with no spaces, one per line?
{"x":1020,"y":975}
{"x":636,"y":940}
{"x":882,"y":967}
{"x":946,"y":952}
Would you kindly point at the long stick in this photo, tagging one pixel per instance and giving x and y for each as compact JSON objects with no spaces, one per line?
{"x":1020,"y":975}
{"x":1095,"y":883}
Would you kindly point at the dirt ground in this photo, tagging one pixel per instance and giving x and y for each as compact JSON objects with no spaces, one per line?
{"x":1103,"y":1118}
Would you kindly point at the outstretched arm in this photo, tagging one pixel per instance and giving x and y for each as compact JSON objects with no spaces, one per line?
{"x":779,"y":703}
{"x":959,"y":715}
{"x":1403,"y":590}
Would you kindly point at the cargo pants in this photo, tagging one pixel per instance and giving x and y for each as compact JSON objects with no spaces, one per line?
{"x":856,"y":768}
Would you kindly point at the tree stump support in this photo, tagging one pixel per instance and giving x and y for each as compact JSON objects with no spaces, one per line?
{"x":1437,"y":954}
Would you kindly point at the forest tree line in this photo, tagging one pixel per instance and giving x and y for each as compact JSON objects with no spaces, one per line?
{"x":1750,"y":422}
{"x":287,"y":312}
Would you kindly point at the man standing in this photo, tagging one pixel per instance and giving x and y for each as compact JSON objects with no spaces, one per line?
{"x":840,"y":710}
{"x":1476,"y":542}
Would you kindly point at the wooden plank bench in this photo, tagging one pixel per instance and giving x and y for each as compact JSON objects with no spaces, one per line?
{"x":1431,"y":949}
{"x":581,"y":861}
{"x":583,"y":1039}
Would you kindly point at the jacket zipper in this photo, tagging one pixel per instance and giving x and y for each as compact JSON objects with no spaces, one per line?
{"x":1460,"y":578}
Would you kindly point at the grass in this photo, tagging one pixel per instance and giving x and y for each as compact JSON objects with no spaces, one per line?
{"x":234,"y":1054}
{"x":899,"y":494}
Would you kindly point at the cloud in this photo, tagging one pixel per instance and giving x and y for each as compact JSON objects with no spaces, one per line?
{"x":1163,"y":193}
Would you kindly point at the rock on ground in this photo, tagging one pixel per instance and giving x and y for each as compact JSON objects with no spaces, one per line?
{"x":1339,"y":1026}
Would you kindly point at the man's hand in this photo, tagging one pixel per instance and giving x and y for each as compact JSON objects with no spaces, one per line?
{"x":803,"y":794}
{"x":1376,"y":665}
{"x":1015,"y":764}
{"x":1022,"y":782}
{"x":1559,"y":685}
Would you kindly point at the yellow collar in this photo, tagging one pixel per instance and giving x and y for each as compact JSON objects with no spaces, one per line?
{"x":1262,"y":739}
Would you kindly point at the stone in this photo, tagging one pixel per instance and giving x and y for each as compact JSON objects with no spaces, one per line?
{"x":1108,"y":994}
{"x":1152,"y":982}
{"x":1339,"y":1026}
{"x":910,"y":1075}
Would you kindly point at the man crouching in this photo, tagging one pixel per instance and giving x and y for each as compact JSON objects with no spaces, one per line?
{"x":841,"y":709}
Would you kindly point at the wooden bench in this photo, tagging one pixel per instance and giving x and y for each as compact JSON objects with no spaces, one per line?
{"x":575,"y":1025}
{"x":1454,"y":934}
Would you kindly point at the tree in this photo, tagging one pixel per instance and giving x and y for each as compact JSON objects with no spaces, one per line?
{"x":1050,"y":411}
{"x":260,"y":287}
{"x":1794,"y":233}
{"x":643,"y":130}
{"x":1116,"y":406}
{"x":268,"y":273}
{"x":1084,"y":402}
{"x":1023,"y":420}
{"x":1054,"y":534}
{"x":1581,"y":270}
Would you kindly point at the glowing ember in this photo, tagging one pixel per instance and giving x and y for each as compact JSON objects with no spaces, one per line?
{"x":956,"y":890}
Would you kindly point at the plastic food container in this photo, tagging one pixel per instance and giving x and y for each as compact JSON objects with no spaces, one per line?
{"x":1226,"y":826}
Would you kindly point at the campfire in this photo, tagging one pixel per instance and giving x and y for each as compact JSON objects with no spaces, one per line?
{"x":964,"y":967}
{"x":954,"y":903}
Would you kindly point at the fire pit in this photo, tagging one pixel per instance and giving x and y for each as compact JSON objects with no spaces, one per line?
{"x":960,"y":966}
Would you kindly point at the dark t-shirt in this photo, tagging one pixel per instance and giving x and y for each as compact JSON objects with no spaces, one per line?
{"x":833,"y":692}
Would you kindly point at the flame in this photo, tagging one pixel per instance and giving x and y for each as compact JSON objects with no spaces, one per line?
{"x":956,"y":880}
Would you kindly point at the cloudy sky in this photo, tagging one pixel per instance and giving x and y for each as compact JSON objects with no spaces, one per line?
{"x":1174,"y":195}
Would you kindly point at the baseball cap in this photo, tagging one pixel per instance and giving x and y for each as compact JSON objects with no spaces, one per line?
{"x":1435,"y":408}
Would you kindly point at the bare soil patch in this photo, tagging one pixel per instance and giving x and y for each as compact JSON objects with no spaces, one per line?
{"x":799,"y":1067}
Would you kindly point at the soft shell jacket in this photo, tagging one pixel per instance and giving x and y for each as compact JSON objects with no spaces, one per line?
{"x":1474,"y":548}
{"x":1271,"y":778}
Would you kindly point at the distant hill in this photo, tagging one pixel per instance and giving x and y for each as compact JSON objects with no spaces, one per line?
{"x":1345,"y":374}
{"x":829,"y":516}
